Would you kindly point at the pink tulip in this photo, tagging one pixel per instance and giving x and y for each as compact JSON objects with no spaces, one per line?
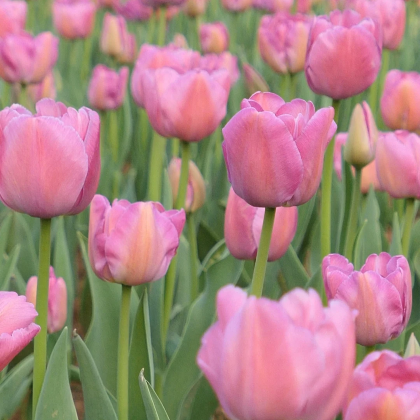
{"x":400,"y":102}
{"x":214,"y":37}
{"x":243,"y":225}
{"x":254,"y":82}
{"x":27,"y":59}
{"x":57,"y":300}
{"x":385,"y":386}
{"x":74,"y":20}
{"x":274,"y":150}
{"x":398,"y":163}
{"x":269,"y":360}
{"x":225,"y":60}
{"x":236,"y":5}
{"x":194,"y":8}
{"x":179,"y":41}
{"x":43,"y":89}
{"x":132,"y":243}
{"x":189,"y":105}
{"x":107,"y":87}
{"x":17,"y":326}
{"x":132,"y":9}
{"x":282,"y":41}
{"x":380,"y":291}
{"x":344,"y":54}
{"x":50,"y":161}
{"x":12,"y":17}
{"x":274,"y":6}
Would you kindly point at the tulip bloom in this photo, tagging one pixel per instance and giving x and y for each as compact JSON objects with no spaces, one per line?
{"x":274,"y":150}
{"x":27,"y":59}
{"x":282,"y":41}
{"x":12,"y":17}
{"x":57,"y":300}
{"x":380,"y":291}
{"x":17,"y":326}
{"x":50,"y":161}
{"x":132,"y":243}
{"x":214,"y":37}
{"x":344,"y":54}
{"x":74,"y":20}
{"x":243,"y":225}
{"x":397,"y":164}
{"x":194,"y":8}
{"x":400,"y":101}
{"x":132,"y":9}
{"x":268,"y":360}
{"x":107,"y":87}
{"x":43,"y":89}
{"x":385,"y":386}
{"x":225,"y":60}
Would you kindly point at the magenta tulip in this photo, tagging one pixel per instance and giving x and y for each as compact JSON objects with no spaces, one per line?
{"x":267,"y":360}
{"x":57,"y":300}
{"x":17,"y":326}
{"x":50,"y":161}
{"x":214,"y":37}
{"x":274,"y":151}
{"x":344,"y":54}
{"x":380,"y":291}
{"x":132,"y":243}
{"x":12,"y":17}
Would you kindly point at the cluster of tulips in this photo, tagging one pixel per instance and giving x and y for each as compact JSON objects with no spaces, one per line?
{"x":218,"y":253}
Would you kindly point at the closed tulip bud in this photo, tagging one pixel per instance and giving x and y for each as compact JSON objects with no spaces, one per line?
{"x":44,"y":89}
{"x":250,"y":355}
{"x":243,"y":225}
{"x":196,"y":189}
{"x":214,"y":37}
{"x":380,"y":291}
{"x":384,"y":386}
{"x":274,"y":150}
{"x":359,"y":149}
{"x":27,"y":59}
{"x":236,"y":5}
{"x":57,"y":300}
{"x":282,"y":41}
{"x":344,"y":53}
{"x":254,"y":82}
{"x":400,"y":101}
{"x":107,"y":87}
{"x":17,"y":326}
{"x":179,"y":41}
{"x":132,"y":243}
{"x":397,"y":165}
{"x":74,"y":20}
{"x":132,"y":9}
{"x":12,"y":17}
{"x":194,"y":8}
{"x":50,"y":161}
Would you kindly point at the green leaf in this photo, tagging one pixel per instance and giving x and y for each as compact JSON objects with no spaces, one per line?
{"x":347,"y":182}
{"x":154,"y":407}
{"x":7,"y":267}
{"x":316,"y":282}
{"x":56,"y":401}
{"x":396,"y":248}
{"x":182,"y":371}
{"x":305,"y":213}
{"x":205,"y":401}
{"x":96,"y":402}
{"x":4,"y":232}
{"x":293,"y":270}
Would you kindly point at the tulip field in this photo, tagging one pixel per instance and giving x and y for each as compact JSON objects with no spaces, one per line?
{"x":209,"y":210}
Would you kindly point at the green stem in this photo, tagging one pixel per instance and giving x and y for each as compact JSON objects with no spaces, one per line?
{"x":123,"y":346}
{"x":113,"y":134}
{"x":183,"y":179}
{"x":157,"y":155}
{"x":262,"y":254}
{"x":326,"y":191}
{"x":87,"y":52}
{"x":284,"y":86}
{"x":354,"y":211}
{"x":369,"y":349}
{"x":293,"y":85}
{"x":175,"y":148}
{"x":168,"y":296}
{"x":162,"y":26}
{"x":151,"y":28}
{"x":409,"y":217}
{"x":40,"y":342}
{"x":192,"y":239}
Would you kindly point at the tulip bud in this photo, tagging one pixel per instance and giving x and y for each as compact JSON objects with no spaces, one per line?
{"x":44,"y":89}
{"x":254,"y":82}
{"x":214,"y":37}
{"x":413,"y":347}
{"x":196,"y":189}
{"x":359,"y":149}
{"x":57,"y":300}
{"x":194,"y":8}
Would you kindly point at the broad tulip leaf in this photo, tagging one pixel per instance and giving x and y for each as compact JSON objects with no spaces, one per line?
{"x":56,"y":400}
{"x":96,"y":402}
{"x":304,"y":218}
{"x":293,"y":270}
{"x":204,"y":402}
{"x":4,"y":232}
{"x":7,"y":267}
{"x":153,"y":406}
{"x":347,"y":182}
{"x":396,"y":248}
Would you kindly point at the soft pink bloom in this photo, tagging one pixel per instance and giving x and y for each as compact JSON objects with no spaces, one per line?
{"x":380,"y":291}
{"x":254,"y":82}
{"x":398,"y":164}
{"x":179,"y":41}
{"x":274,"y":6}
{"x":57,"y":300}
{"x":288,"y":359}
{"x":50,"y":161}
{"x":196,"y":188}
{"x":385,"y":386}
{"x":225,"y":60}
{"x":274,"y":151}
{"x":27,"y":59}
{"x":107,"y":87}
{"x":400,"y":101}
{"x":74,"y":20}
{"x":132,"y":243}
{"x":17,"y":326}
{"x":188,"y":105}
{"x":132,"y":9}
{"x":12,"y":17}
{"x":214,"y":37}
{"x":236,"y":5}
{"x":194,"y":8}
{"x":344,"y":54}
{"x":43,"y":89}
{"x":243,"y":225}
{"x":282,"y":41}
